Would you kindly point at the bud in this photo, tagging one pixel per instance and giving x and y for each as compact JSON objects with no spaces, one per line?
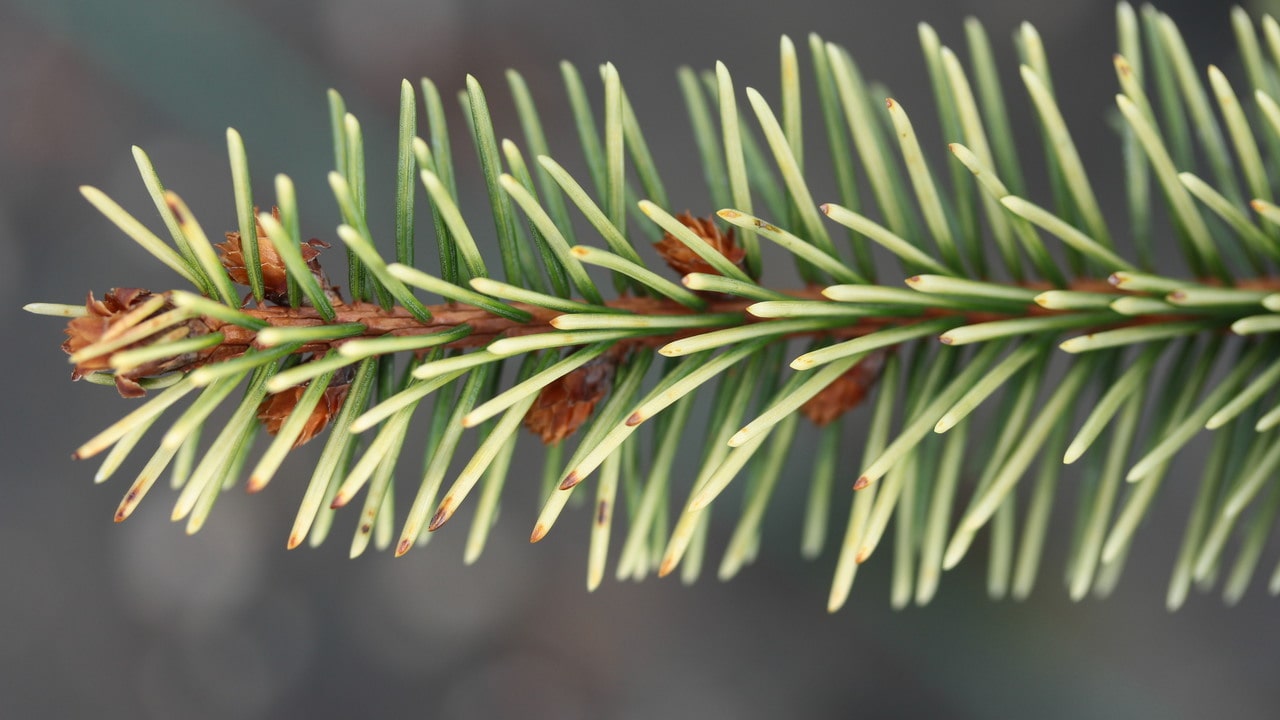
{"x":846,"y":392}
{"x":275,"y":282}
{"x":120,"y":311}
{"x":684,"y":261}
{"x":564,"y":405}
{"x":276,"y":408}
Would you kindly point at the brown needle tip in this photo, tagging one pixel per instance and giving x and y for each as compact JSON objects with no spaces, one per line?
{"x":539,"y":532}
{"x":441,"y":517}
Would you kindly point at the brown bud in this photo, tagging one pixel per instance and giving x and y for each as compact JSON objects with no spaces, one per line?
{"x":275,"y":283}
{"x":565,"y":404}
{"x":276,"y":408}
{"x":88,"y":329}
{"x":846,"y":392}
{"x":111,"y":317}
{"x":685,"y":261}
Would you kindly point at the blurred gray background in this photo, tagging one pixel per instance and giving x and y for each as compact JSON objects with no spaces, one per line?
{"x":142,"y":621}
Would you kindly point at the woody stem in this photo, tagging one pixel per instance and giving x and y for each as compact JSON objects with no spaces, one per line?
{"x":486,"y":326}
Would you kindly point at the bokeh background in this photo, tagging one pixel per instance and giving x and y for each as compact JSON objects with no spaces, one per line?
{"x":141,"y":621}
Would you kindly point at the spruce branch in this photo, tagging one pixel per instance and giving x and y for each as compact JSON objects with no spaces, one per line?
{"x":355,"y":367}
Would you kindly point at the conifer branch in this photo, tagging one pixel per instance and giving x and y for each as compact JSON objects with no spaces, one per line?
{"x":355,"y":367}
